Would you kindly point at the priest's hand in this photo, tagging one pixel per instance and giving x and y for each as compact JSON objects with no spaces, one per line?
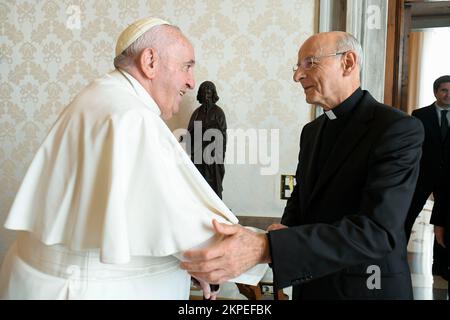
{"x":238,"y":251}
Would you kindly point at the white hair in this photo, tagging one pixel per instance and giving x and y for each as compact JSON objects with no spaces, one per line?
{"x":159,"y":38}
{"x":348,"y":42}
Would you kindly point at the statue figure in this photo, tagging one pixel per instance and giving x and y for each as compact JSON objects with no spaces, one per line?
{"x":208,"y":131}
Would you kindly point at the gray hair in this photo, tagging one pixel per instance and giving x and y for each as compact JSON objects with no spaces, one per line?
{"x":348,"y":42}
{"x":159,"y":38}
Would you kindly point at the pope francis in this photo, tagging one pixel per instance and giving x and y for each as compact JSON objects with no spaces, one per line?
{"x":111,"y":199}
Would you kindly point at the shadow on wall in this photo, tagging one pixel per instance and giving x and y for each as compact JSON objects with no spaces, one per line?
{"x":181,"y":119}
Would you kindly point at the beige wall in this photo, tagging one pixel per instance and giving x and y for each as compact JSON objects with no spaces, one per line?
{"x":246,"y":47}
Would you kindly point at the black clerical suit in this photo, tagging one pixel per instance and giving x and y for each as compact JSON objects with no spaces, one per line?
{"x":433,"y":177}
{"x":347,"y":211}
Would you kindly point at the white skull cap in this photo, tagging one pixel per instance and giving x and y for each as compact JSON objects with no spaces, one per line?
{"x":135,"y":30}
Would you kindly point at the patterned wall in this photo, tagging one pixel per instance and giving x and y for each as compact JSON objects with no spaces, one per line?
{"x":49,"y":50}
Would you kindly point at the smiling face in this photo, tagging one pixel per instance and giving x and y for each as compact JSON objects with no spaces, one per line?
{"x":443,"y":95}
{"x":324,"y":83}
{"x":175,"y":75}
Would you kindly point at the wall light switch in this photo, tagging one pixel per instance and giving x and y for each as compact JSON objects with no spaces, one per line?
{"x":288,"y":183}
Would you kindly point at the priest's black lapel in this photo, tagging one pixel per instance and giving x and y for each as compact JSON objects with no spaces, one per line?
{"x":346,"y":143}
{"x":311,"y":152}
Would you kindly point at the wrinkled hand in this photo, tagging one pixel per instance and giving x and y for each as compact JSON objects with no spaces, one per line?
{"x":208,"y":294}
{"x":239,"y":250}
{"x":276,"y":226}
{"x":439,"y":234}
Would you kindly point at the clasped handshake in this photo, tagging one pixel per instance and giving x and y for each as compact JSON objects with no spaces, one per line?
{"x":239,"y":250}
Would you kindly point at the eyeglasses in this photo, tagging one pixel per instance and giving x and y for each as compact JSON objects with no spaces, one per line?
{"x":309,"y":62}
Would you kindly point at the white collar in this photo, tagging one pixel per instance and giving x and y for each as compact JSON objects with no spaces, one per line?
{"x":140,"y":91}
{"x":439,"y":108}
{"x":330,"y":114}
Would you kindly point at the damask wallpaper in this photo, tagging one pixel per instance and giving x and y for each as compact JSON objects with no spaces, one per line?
{"x":49,"y":50}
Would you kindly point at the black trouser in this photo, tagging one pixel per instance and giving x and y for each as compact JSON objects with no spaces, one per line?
{"x":418,"y":202}
{"x":420,"y":197}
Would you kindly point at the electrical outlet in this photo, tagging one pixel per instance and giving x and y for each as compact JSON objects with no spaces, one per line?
{"x":288,"y":183}
{"x":267,"y":290}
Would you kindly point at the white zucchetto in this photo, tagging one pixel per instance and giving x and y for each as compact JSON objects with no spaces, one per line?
{"x":134,"y":31}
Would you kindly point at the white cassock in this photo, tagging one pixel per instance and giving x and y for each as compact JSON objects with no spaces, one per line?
{"x":109,"y":200}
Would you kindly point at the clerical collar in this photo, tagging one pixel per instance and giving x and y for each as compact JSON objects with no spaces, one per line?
{"x":346,"y":106}
{"x":140,"y":91}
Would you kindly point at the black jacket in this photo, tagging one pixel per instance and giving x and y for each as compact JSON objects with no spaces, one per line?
{"x":434,"y":165}
{"x":351,"y":217}
{"x":434,"y":162}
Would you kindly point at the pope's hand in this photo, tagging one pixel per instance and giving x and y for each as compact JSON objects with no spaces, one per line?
{"x":276,"y":226}
{"x":208,"y":294}
{"x":238,"y":251}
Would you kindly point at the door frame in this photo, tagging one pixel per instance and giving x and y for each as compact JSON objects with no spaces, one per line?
{"x":400,"y":22}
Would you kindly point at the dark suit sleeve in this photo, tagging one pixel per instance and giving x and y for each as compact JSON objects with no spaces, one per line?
{"x":306,"y":252}
{"x":441,"y":209}
{"x":292,"y":210}
{"x":438,"y":217}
